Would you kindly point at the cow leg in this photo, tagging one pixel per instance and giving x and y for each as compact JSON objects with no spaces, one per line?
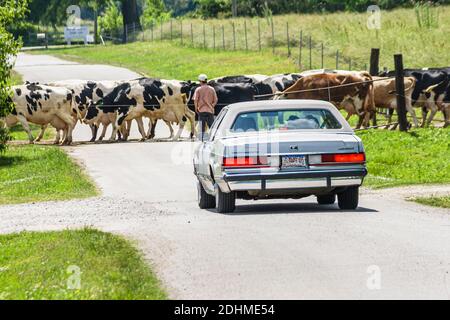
{"x":102,"y":136}
{"x":57,"y":137}
{"x":23,"y":121}
{"x":180,"y":130}
{"x":141,"y":128}
{"x":446,"y":111}
{"x":152,"y":128}
{"x":41,"y":134}
{"x":94,"y":130}
{"x":170,"y":129}
{"x":412,"y":112}
{"x":434,"y":110}
{"x":191,"y":116}
{"x":70,"y":126}
{"x":424,"y":116}
{"x":390,"y":113}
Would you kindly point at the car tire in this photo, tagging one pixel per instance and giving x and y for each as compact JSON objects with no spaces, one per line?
{"x":348,"y":200}
{"x":205,"y":201}
{"x":326,"y":199}
{"x":225,"y":202}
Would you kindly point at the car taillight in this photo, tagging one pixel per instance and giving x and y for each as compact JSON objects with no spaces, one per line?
{"x":344,"y":158}
{"x":246,"y":162}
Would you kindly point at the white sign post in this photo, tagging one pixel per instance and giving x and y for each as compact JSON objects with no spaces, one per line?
{"x":76,"y":33}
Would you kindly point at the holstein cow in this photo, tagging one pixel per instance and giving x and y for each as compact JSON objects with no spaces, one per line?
{"x":43,"y":105}
{"x":152,"y":98}
{"x":266,"y":89}
{"x":385,"y":97}
{"x":254,"y":78}
{"x":90,"y":91}
{"x":339,"y":89}
{"x":430,"y":91}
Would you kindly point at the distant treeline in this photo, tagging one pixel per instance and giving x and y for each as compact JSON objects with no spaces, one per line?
{"x":223,"y":8}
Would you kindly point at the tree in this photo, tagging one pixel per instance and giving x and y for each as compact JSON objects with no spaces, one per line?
{"x":10,"y":11}
{"x":130,"y":15}
{"x":154,"y":11}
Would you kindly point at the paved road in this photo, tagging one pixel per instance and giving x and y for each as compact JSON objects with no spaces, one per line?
{"x":389,"y":248}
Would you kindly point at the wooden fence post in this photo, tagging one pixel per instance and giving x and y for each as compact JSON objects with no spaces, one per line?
{"x":181,"y":32}
{"x":152,"y":26}
{"x":214,"y":38}
{"x":337,"y":60}
{"x":234,"y":37}
{"x":300,"y":50}
{"x":245,"y":33}
{"x":322,"y":56}
{"x":310,"y":52}
{"x":259,"y":35}
{"x":288,"y":39}
{"x":223,"y":37}
{"x":400,"y":91}
{"x":374,"y":62}
{"x":273,"y":37}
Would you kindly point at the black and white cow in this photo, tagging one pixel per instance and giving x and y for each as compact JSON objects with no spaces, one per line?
{"x":43,"y":105}
{"x":254,"y":78}
{"x":145,"y":97}
{"x":266,"y":89}
{"x":430,"y":91}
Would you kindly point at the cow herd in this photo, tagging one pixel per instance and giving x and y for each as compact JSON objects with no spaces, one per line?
{"x":117,"y":103}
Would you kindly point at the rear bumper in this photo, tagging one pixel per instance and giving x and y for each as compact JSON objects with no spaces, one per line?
{"x":293,"y":180}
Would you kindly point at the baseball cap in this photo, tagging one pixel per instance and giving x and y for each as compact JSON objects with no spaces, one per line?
{"x":203,"y":77}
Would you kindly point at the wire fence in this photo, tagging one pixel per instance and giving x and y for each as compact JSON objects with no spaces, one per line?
{"x":251,"y":35}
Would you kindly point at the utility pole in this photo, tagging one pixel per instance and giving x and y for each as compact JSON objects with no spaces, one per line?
{"x":234,"y":8}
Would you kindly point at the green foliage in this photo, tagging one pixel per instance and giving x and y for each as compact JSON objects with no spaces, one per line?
{"x":111,"y":20}
{"x":213,"y":8}
{"x":10,"y":11}
{"x":154,"y":12}
{"x":35,"y":266}
{"x":427,"y":15}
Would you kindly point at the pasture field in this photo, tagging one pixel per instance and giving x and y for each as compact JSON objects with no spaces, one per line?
{"x":35,"y":267}
{"x":422,"y":41}
{"x":41,"y":173}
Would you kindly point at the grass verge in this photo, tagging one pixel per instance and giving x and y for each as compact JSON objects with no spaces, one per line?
{"x":442,"y":202}
{"x":35,"y":265}
{"x":418,"y":157}
{"x":41,"y":173}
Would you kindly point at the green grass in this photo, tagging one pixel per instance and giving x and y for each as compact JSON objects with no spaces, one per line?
{"x":443,"y":202}
{"x":18,"y":133}
{"x":41,"y":173}
{"x":36,"y":266}
{"x":169,"y":61}
{"x":418,"y":157}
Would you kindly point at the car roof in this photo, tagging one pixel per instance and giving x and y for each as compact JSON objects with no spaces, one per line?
{"x":254,"y":106}
{"x":270,"y":104}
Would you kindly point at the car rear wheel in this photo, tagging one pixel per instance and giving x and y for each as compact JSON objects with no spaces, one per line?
{"x":205,"y":201}
{"x":326,"y":199}
{"x":225,"y":202}
{"x":348,"y":200}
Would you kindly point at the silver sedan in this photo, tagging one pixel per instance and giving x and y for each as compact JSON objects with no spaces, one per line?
{"x":285,"y":149}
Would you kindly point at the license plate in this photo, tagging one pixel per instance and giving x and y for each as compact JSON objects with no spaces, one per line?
{"x":293,"y":161}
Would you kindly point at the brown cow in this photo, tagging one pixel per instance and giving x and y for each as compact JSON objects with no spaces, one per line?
{"x":385,"y":97}
{"x":350,"y":91}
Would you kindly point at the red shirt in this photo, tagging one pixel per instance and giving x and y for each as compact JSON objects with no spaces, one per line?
{"x":206,"y":98}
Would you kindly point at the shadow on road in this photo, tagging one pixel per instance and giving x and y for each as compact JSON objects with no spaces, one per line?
{"x":293,"y":208}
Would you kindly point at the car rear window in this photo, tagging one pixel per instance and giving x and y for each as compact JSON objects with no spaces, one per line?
{"x":284,"y":120}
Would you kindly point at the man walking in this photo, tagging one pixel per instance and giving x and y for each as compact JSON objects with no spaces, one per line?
{"x":205,"y":99}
